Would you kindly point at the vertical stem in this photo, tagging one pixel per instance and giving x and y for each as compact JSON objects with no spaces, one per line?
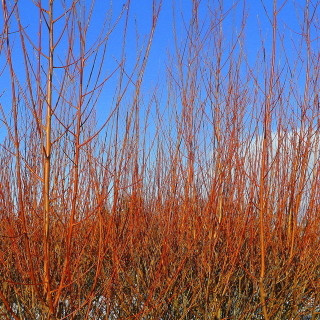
{"x":263,"y":192}
{"x":47,"y":163}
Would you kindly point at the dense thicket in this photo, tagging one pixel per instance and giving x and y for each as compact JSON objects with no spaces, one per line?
{"x":196,"y":199}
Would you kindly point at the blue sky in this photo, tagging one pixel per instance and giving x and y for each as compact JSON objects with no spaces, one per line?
{"x":258,"y":33}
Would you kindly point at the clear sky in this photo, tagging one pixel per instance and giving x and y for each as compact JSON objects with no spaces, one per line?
{"x":257,"y":33}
